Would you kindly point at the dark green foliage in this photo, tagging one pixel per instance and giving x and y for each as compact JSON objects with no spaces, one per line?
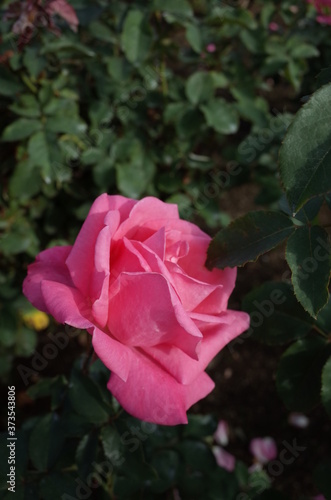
{"x":181,"y":100}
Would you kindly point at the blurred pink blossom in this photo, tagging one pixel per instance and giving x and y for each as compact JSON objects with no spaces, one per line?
{"x":273,"y":26}
{"x":224,"y":459}
{"x":263,"y":449}
{"x":211,"y":47}
{"x":221,"y":435}
{"x":298,"y":420}
{"x":323,"y":8}
{"x":319,"y":497}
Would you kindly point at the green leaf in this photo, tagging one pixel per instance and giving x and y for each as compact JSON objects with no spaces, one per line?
{"x":326,"y":386}
{"x":221,"y":116}
{"x":247,"y":238}
{"x":323,"y":77}
{"x":223,"y":485}
{"x":27,"y":106}
{"x":46,"y":442}
{"x":276,"y":316}
{"x":136,"y":39}
{"x":299,"y":373}
{"x":65,"y":125}
{"x":305,"y":156}
{"x":62,"y":486}
{"x":86,"y":453}
{"x":8,"y":326}
{"x":310,"y":210}
{"x":9,"y":86}
{"x":21,"y":129}
{"x":26,"y":342}
{"x":308,"y":254}
{"x":47,"y":386}
{"x":199,"y":87}
{"x":111,"y":442}
{"x":324,"y":317}
{"x":134,"y":170}
{"x":196,"y":455}
{"x":39,"y":154}
{"x":180,"y":7}
{"x":304,"y":50}
{"x":193,"y":36}
{"x":321,"y":475}
{"x":200,"y":426}
{"x":25,"y":182}
{"x":86,"y":400}
{"x":166,"y":463}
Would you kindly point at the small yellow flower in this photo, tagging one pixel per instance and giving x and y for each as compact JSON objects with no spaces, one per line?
{"x":36,"y":319}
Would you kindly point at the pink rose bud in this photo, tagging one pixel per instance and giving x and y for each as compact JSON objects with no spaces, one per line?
{"x":135,"y":279}
{"x":298,"y":420}
{"x":221,"y":434}
{"x":211,"y":47}
{"x":263,"y":449}
{"x":273,"y":26}
{"x":323,"y":8}
{"x":224,"y":459}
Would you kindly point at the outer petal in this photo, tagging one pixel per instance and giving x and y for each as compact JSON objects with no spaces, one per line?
{"x":116,"y":356}
{"x":49,"y":265}
{"x":148,"y":213}
{"x":66,"y":304}
{"x":151,"y":394}
{"x":80,"y":262}
{"x":146,"y":311}
{"x":99,"y":290}
{"x":216,"y":336}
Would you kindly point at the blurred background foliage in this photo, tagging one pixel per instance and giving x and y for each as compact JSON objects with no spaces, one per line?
{"x":184,"y":100}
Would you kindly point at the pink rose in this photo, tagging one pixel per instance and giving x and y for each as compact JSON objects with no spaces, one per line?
{"x":135,"y":279}
{"x":323,"y":8}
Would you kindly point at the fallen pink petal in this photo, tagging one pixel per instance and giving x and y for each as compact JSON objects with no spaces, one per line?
{"x":221,"y":435}
{"x":298,"y":420}
{"x":224,"y":459}
{"x":263,"y":449}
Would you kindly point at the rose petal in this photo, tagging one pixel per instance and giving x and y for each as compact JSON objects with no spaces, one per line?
{"x":66,"y":304}
{"x":126,"y":258}
{"x":221,"y":434}
{"x":183,"y":367}
{"x":151,"y":394}
{"x":263,"y":449}
{"x":145,"y":311}
{"x":224,"y":459}
{"x":80,"y":261}
{"x":191,"y":291}
{"x":156,"y":243}
{"x":116,"y":356}
{"x":194,"y":265}
{"x":49,"y":265}
{"x":100,"y":278}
